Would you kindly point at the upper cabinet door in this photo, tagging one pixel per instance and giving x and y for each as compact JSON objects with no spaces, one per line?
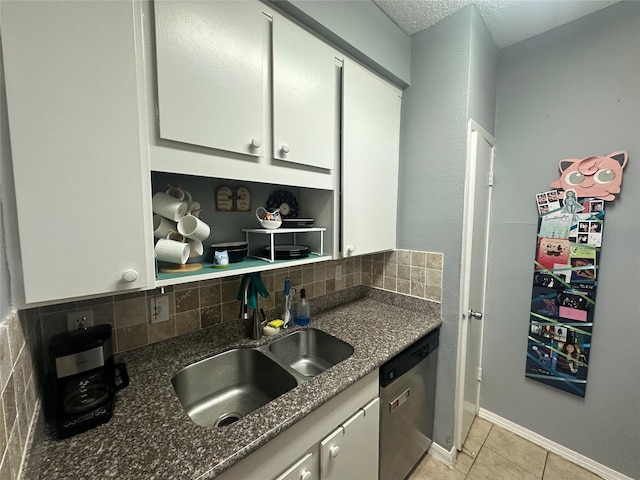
{"x":210,"y":73}
{"x":304,"y":97}
{"x":80,"y":176}
{"x":370,"y":158}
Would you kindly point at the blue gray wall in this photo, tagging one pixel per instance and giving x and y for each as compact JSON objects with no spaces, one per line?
{"x":572,"y":92}
{"x":6,"y":196}
{"x":452,"y":78}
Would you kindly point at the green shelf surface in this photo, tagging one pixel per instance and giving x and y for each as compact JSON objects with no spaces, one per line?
{"x":246,"y":266}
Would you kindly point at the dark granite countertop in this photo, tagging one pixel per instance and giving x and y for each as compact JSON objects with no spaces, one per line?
{"x":150,"y":436}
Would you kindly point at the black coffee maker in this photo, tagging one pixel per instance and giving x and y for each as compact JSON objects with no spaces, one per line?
{"x":84,"y":379}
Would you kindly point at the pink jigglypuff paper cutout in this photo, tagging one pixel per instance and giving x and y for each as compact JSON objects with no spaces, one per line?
{"x":595,"y":177}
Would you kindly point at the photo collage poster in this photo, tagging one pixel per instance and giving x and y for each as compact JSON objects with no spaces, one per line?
{"x":565,"y":279}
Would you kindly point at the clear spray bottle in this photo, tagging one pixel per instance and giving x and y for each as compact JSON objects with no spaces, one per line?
{"x":303,"y":312}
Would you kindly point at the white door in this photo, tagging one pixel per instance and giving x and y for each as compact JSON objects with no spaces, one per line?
{"x":473,"y":277}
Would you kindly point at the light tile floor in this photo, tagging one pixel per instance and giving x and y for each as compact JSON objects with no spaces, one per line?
{"x":493,"y":453}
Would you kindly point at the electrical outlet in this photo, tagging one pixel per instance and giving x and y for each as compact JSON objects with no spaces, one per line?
{"x":159,"y":308}
{"x":338,"y":272}
{"x":79,"y":319}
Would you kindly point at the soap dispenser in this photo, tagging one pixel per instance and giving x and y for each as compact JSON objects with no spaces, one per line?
{"x":303,"y":312}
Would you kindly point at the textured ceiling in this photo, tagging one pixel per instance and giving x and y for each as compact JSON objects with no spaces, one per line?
{"x":509,"y":21}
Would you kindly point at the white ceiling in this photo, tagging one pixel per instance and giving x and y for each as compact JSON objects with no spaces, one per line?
{"x":508,"y":21}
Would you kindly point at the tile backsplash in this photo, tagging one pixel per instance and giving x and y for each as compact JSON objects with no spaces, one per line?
{"x":20,"y":386}
{"x":205,"y":303}
{"x":24,"y":335}
{"x":405,"y":271}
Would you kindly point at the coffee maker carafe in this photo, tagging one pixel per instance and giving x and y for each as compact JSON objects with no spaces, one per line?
{"x":85,"y":379}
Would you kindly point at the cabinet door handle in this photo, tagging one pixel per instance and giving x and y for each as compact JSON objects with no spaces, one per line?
{"x":285,"y":148}
{"x":129,"y":276}
{"x":334,"y":451}
{"x":306,"y":475}
{"x":350,"y":249}
{"x":256,"y":143}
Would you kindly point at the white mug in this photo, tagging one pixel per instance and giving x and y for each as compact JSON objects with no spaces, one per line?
{"x":168,"y":206}
{"x":193,"y":207}
{"x":192,"y":227}
{"x":163,"y":226}
{"x":170,"y":251}
{"x":197,"y":248}
{"x":176,"y":192}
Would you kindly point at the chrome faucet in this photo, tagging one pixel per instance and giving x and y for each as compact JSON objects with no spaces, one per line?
{"x":256,"y":326}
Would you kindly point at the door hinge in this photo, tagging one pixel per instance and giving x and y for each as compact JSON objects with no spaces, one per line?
{"x":479,"y":374}
{"x":490,"y":179}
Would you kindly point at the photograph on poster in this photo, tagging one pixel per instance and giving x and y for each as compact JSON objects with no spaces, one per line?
{"x":596,"y":205}
{"x":544,"y":302}
{"x":576,"y":299}
{"x":555,"y":225}
{"x":539,"y":358}
{"x":569,"y":357}
{"x":583,"y":270}
{"x":583,"y":260}
{"x":549,"y":280}
{"x":587,"y":228}
{"x":547,"y":202}
{"x":552,"y":251}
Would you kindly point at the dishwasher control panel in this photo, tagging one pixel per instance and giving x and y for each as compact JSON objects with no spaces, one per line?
{"x":399,"y":400}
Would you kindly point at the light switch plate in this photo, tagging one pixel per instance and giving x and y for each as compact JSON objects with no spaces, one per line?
{"x":159,"y":308}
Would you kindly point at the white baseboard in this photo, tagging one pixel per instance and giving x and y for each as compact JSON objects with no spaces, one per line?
{"x":448,"y":457}
{"x":577,"y":458}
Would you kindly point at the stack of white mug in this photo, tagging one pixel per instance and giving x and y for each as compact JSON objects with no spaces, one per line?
{"x":176,"y":225}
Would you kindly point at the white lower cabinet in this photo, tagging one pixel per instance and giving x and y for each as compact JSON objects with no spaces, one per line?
{"x":337,"y":441}
{"x":351,"y":451}
{"x":304,"y":469}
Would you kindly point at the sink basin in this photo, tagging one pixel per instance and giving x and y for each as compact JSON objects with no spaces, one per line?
{"x":219,"y":390}
{"x":310,"y":352}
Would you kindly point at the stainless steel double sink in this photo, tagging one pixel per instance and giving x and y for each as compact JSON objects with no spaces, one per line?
{"x":221,"y":389}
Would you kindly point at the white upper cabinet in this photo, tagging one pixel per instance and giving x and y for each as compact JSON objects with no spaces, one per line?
{"x":304,"y":97}
{"x":80,"y":172}
{"x":370,"y":158}
{"x":238,"y":85}
{"x":210,"y":74}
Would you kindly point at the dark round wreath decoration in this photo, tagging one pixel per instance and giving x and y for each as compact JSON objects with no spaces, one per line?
{"x":285,"y":201}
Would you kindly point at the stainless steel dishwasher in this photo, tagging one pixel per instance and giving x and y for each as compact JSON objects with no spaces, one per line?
{"x":407,"y":402}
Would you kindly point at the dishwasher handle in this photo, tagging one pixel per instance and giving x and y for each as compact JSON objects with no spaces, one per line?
{"x":409,"y":358}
